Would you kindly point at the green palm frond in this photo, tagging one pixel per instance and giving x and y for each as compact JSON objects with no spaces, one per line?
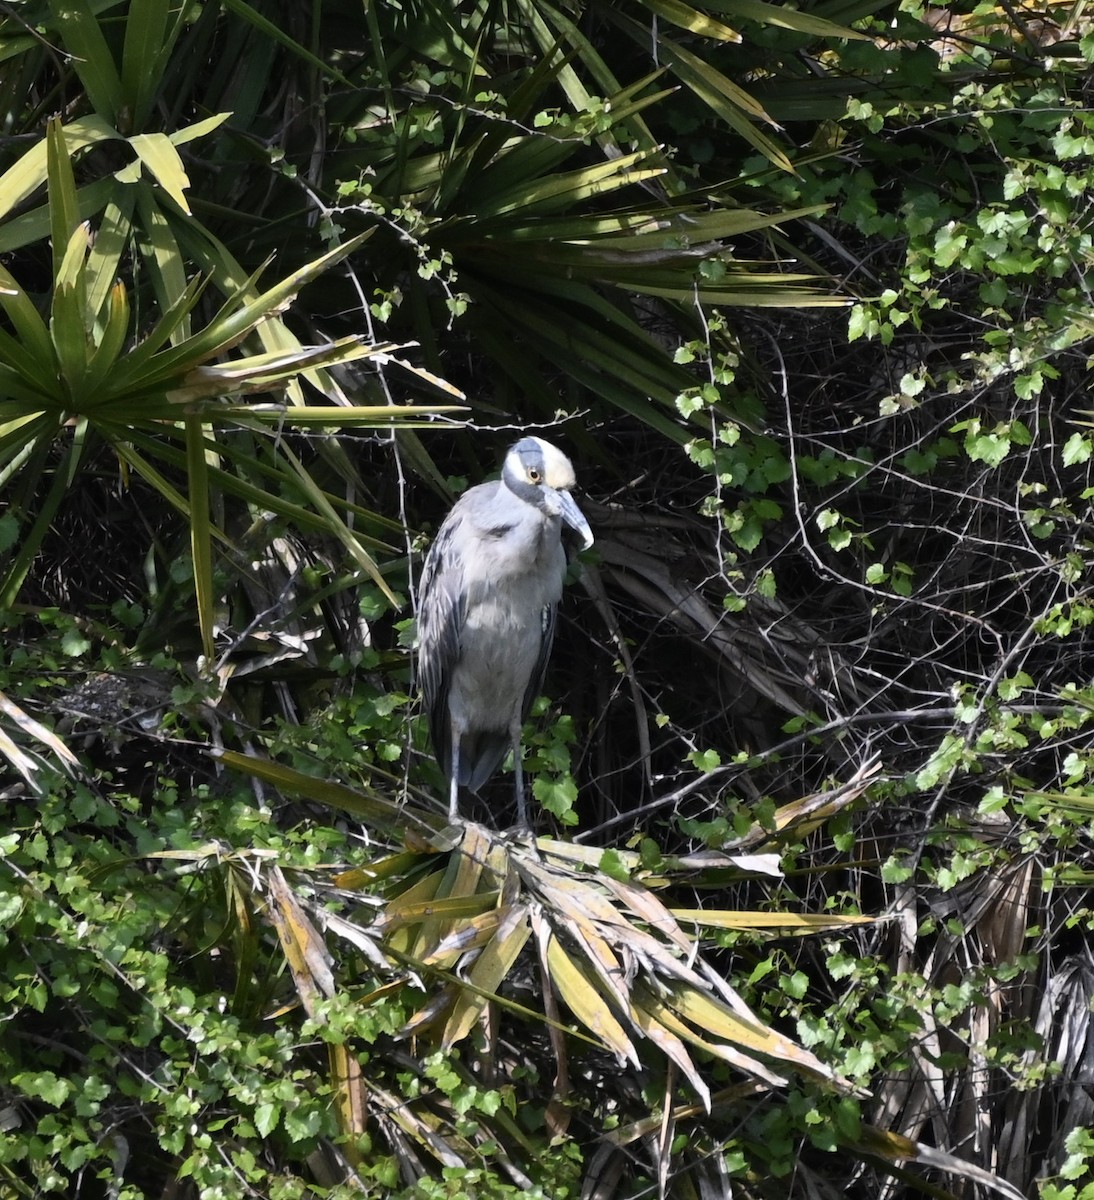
{"x":89,"y":369}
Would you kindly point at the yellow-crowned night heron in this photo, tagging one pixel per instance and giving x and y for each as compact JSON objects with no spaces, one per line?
{"x":486,"y":618}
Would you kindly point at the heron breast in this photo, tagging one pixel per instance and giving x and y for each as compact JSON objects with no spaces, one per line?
{"x":499,"y":650}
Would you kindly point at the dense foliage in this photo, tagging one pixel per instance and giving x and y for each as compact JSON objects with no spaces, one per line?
{"x":804,"y":293}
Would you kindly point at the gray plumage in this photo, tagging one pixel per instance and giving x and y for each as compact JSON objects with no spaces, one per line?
{"x":486,"y":618}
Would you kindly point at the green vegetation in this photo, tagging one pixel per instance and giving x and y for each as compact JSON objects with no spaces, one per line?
{"x":804,"y":292}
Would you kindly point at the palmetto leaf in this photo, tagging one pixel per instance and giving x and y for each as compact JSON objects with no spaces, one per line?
{"x":774,"y":923}
{"x":29,"y":761}
{"x":157,"y":154}
{"x":488,"y":972}
{"x":692,"y":19}
{"x":739,"y":109}
{"x":33,"y":351}
{"x":784,"y":17}
{"x":201,"y":535}
{"x":614,"y":954}
{"x":267,"y":371}
{"x":368,"y":806}
{"x":149,"y":34}
{"x":576,"y":985}
{"x":306,"y":953}
{"x":171,"y":380}
{"x":553,"y":239}
{"x":91,"y":57}
{"x":273,"y":30}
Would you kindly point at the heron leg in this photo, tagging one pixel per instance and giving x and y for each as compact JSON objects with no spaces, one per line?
{"x":454,"y":779}
{"x":518,"y":778}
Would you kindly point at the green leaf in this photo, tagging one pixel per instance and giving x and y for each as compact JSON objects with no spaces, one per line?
{"x":159,"y":156}
{"x":166,"y":262}
{"x":795,"y":985}
{"x":557,"y":796}
{"x":784,"y":17}
{"x":705,"y":760}
{"x":861,"y":323}
{"x":33,"y":333}
{"x":990,"y":448}
{"x":89,"y":55}
{"x":64,"y":208}
{"x":201,"y":549}
{"x":692,"y":20}
{"x":110,"y":243}
{"x":267,"y":1116}
{"x":277,"y":34}
{"x":613,"y":865}
{"x":1077,"y":450}
{"x":146,"y":37}
{"x":74,"y":643}
{"x":44,"y":1085}
{"x":23,"y":179}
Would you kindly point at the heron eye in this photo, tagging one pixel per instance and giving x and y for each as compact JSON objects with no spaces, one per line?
{"x":533,"y":475}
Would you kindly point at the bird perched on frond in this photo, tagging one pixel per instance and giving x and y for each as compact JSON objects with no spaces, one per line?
{"x":486,"y":618}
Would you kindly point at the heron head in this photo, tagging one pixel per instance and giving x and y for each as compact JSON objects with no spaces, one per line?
{"x":541,"y":475}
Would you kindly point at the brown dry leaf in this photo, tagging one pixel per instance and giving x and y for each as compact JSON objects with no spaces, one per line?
{"x":305,"y":951}
{"x":595,"y":923}
{"x":670,"y":1021}
{"x":401,"y":935}
{"x":467,"y":863}
{"x":359,"y":878}
{"x":810,"y":812}
{"x":432,"y":1011}
{"x":361,"y":936}
{"x":439,"y":908}
{"x":781,"y":923}
{"x":470,"y":935}
{"x":649,"y":1021}
{"x":420,"y":1127}
{"x":349,"y":1098}
{"x":575,"y":895}
{"x":645,"y":905}
{"x":718,"y":1019}
{"x":488,"y":972}
{"x":557,"y":1115}
{"x":730,"y":1097}
{"x":895,"y":1148}
{"x":575,"y":986}
{"x":37,"y":730}
{"x":501,"y":874}
{"x":430,"y":913}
